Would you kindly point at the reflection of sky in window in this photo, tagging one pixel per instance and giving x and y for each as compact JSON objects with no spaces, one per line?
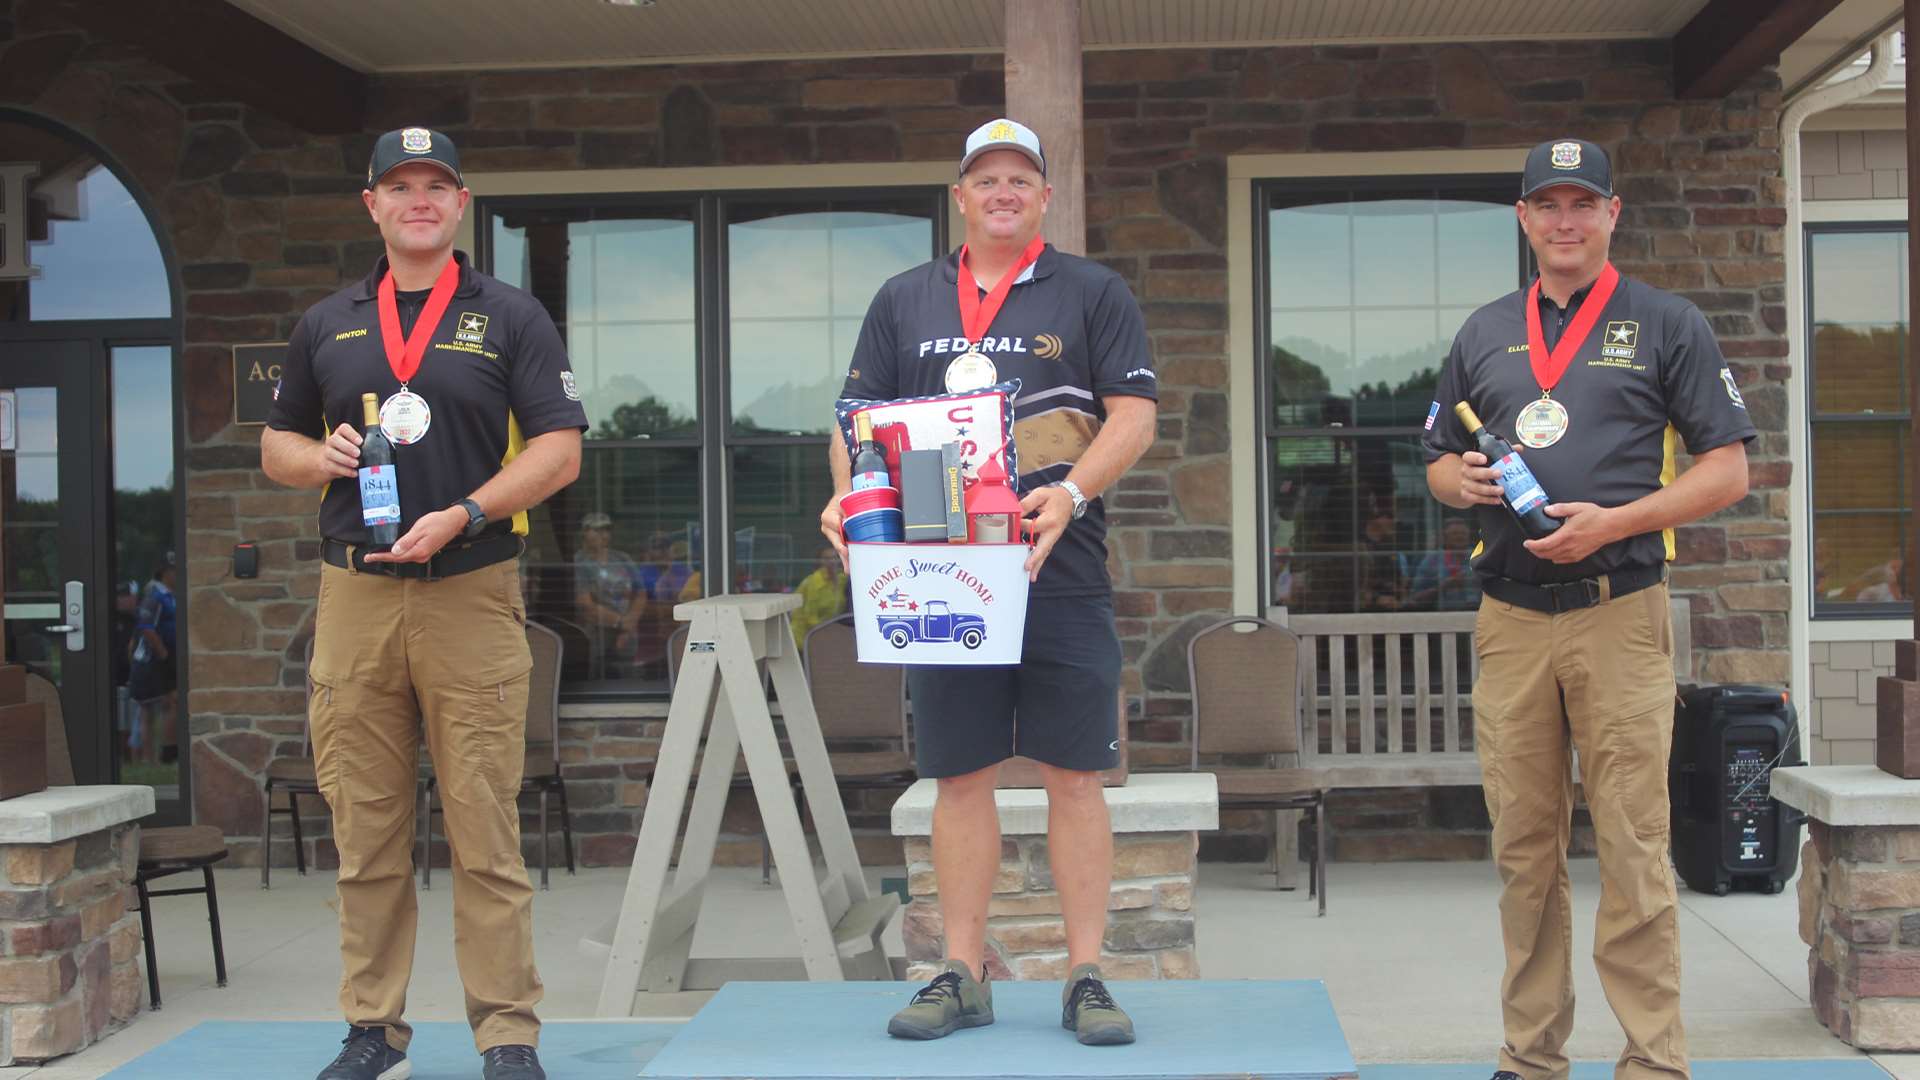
{"x":37,"y":457}
{"x":799,"y":286}
{"x":509,"y":254}
{"x":630,"y":313}
{"x":1860,"y":278}
{"x":1373,"y":291}
{"x":105,"y":265}
{"x":142,"y":417}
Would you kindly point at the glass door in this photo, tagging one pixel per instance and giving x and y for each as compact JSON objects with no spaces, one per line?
{"x":49,"y":526}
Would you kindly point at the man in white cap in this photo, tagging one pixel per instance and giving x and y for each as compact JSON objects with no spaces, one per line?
{"x":1006,"y":305}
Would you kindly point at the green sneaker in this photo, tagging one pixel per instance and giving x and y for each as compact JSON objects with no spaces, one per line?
{"x":954,"y":999}
{"x":1088,"y":1010}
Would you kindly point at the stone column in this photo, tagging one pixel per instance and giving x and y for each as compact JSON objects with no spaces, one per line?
{"x":1150,"y":925}
{"x":69,"y":923}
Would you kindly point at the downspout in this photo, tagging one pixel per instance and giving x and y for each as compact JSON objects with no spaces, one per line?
{"x":1799,"y":512}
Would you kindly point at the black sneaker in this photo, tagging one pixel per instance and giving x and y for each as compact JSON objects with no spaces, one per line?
{"x":1504,"y":1075}
{"x":511,"y":1063}
{"x":367,"y":1057}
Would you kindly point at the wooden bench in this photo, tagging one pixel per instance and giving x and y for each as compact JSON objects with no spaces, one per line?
{"x":1387,"y":699}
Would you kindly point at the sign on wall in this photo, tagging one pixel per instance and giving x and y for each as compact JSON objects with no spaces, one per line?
{"x":256,"y":373}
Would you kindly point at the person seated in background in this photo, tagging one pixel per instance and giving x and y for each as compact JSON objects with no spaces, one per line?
{"x":1892,"y":586}
{"x":607,"y":594}
{"x":1444,"y":579}
{"x":1380,"y":584}
{"x":823,"y":595}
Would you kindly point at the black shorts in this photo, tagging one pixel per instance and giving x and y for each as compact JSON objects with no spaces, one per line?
{"x":1059,"y":705}
{"x":150,"y":679}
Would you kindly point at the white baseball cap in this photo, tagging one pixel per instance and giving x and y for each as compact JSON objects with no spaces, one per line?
{"x":1004,"y":134}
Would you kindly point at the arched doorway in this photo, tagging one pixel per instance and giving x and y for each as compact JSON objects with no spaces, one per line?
{"x":90,"y":443}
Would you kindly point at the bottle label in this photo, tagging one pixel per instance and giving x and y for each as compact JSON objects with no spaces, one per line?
{"x":865,"y":480}
{"x":379,"y":495}
{"x":1523,"y":492}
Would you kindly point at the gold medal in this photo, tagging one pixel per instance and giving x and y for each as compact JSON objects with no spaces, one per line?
{"x":405,"y":417}
{"x":970,"y":370}
{"x":1541,"y":423}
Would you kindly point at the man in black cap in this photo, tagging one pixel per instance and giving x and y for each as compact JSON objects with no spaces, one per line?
{"x":476,"y":395}
{"x":1591,"y":377}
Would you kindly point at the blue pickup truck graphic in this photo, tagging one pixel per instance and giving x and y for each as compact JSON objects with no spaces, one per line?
{"x":938,"y":623}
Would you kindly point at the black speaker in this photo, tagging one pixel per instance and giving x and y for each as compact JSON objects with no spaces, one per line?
{"x":1728,"y":830}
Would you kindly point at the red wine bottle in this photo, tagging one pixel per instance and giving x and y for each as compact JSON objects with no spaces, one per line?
{"x":379,"y":483}
{"x":869,"y":457}
{"x":1524,"y":496}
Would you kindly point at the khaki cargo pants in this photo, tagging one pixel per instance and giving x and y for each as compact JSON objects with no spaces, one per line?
{"x":390,"y":658}
{"x":1602,"y":679}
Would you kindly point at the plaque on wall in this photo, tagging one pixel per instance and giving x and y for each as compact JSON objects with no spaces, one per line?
{"x":256,"y":372}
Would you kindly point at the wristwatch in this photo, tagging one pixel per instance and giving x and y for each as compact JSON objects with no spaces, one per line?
{"x":1073,"y":492}
{"x":476,"y":518}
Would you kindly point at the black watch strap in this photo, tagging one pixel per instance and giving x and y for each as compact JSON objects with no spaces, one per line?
{"x":476,"y":518}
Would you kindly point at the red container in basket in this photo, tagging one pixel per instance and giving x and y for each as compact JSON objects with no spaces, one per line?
{"x":873,"y":498}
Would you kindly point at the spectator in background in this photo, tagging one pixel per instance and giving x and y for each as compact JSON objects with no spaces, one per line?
{"x":823,"y":595}
{"x":607,"y":594}
{"x":1444,"y":581}
{"x":151,"y":675}
{"x":1892,"y":586}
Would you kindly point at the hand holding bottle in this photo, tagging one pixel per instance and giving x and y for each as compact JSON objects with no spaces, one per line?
{"x":340,"y":452}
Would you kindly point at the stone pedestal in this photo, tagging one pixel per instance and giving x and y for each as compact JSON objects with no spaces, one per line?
{"x":69,"y":924}
{"x":1150,"y":931}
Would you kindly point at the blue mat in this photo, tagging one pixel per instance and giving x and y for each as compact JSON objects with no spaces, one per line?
{"x":296,"y":1050}
{"x":1814,"y":1069}
{"x":837,"y":1031}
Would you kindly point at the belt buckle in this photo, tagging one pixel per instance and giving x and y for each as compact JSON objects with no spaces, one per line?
{"x":1587,"y":594}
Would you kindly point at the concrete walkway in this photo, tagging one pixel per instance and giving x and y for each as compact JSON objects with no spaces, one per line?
{"x":1409,"y":951}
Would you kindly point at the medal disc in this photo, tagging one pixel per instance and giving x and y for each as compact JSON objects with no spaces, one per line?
{"x":405,"y":417}
{"x":1541,"y":423}
{"x":970,"y":371}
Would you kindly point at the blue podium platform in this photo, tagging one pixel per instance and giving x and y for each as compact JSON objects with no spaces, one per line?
{"x":296,"y":1050}
{"x":837,"y":1031}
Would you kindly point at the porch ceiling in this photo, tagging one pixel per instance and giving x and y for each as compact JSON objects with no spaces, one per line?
{"x":435,"y":35}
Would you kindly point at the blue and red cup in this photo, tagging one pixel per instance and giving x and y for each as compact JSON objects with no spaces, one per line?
{"x":872,"y":516}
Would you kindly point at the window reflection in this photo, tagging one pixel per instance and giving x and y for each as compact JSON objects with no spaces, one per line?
{"x":1367,"y":288}
{"x":1861,"y":432}
{"x":799,"y":283}
{"x":94,"y":253}
{"x":144,"y":642}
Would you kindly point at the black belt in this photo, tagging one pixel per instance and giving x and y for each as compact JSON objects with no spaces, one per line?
{"x":1573,"y":595}
{"x":447,"y":562}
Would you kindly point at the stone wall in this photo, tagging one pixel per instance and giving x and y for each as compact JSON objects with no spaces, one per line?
{"x":1860,"y":917}
{"x":69,"y":946}
{"x":1149,"y":911}
{"x":264,"y":220}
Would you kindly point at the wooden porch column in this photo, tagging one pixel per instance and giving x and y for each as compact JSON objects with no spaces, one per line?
{"x":1897,"y":746}
{"x":1043,"y":92}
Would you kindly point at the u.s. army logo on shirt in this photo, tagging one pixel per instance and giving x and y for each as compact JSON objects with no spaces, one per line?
{"x":1733,"y":389}
{"x":1621,"y":339}
{"x":471,"y":328}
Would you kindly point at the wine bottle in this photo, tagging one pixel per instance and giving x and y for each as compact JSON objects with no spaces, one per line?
{"x":379,"y":483}
{"x":869,"y":457}
{"x":1524,"y":496}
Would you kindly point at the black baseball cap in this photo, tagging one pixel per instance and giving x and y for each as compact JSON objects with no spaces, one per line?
{"x":396,"y":148}
{"x":1567,"y":161}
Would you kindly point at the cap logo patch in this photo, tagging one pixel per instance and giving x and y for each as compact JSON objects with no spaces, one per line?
{"x":420,"y":141}
{"x":1566,"y":155}
{"x":1001,"y":132}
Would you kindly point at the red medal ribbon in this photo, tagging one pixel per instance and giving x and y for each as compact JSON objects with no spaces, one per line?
{"x":405,"y":353}
{"x":1549,"y":367}
{"x":977,"y":314}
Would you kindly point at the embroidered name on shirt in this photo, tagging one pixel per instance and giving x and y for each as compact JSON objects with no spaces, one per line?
{"x":345,"y":334}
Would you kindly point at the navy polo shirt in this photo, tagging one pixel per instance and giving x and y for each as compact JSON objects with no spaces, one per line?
{"x":1070,"y":331}
{"x":495,"y":374}
{"x":1649,"y":374}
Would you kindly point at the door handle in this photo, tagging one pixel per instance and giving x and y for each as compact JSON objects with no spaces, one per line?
{"x":75,"y":611}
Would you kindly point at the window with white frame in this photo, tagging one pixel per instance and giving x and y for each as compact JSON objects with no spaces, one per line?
{"x":1859,"y":426}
